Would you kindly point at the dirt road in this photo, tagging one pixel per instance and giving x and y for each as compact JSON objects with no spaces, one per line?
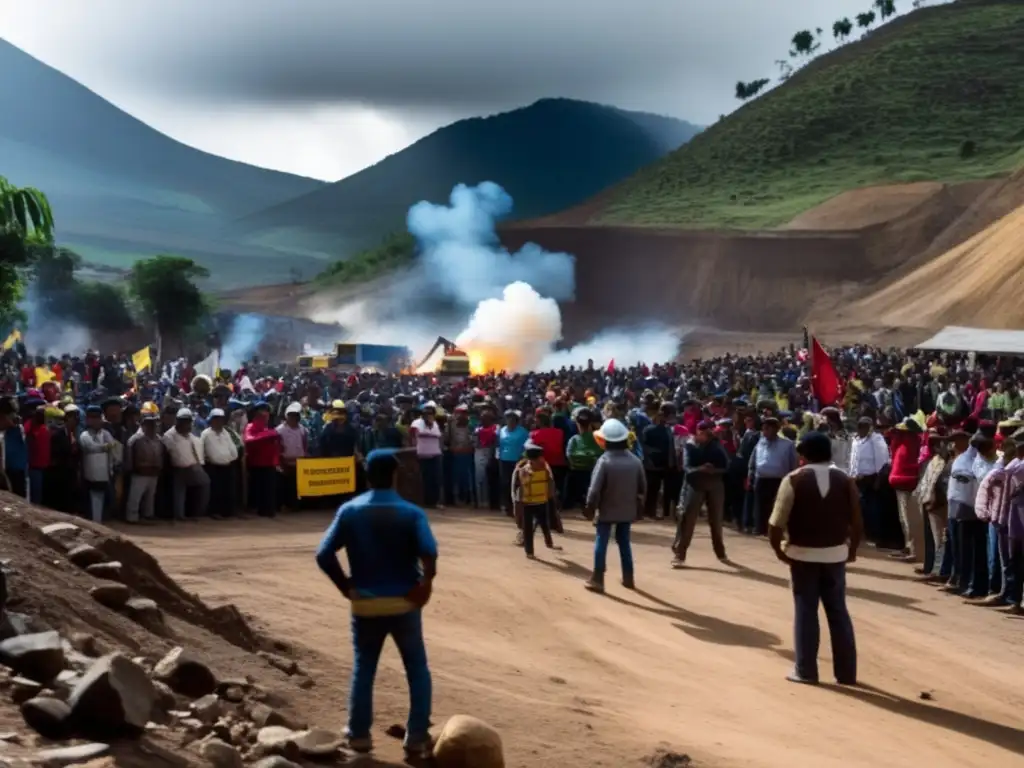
{"x":693,"y":662}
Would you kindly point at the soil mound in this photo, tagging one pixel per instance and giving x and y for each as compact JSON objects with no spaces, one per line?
{"x":100,"y":645}
{"x":977,"y":283}
{"x":865,"y":207}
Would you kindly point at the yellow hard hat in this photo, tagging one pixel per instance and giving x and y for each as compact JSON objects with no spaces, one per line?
{"x":149,"y":407}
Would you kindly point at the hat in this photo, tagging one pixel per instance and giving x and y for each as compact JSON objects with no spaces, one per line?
{"x":814,"y":440}
{"x":706,"y":425}
{"x":532,"y":446}
{"x":338,"y":405}
{"x":909,"y":424}
{"x":150,"y":417}
{"x":93,"y":410}
{"x":382,"y":456}
{"x":183,"y":414}
{"x":293,"y":408}
{"x":613,"y":431}
{"x":217,"y":413}
{"x":71,"y":408}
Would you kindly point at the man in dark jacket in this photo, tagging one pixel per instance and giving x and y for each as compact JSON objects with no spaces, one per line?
{"x":705,"y":463}
{"x":817,"y":511}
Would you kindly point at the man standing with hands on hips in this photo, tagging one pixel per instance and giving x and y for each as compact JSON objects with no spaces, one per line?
{"x":392,"y":557}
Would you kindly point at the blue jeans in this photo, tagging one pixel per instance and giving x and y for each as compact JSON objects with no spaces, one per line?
{"x":950,"y":554}
{"x":368,"y":636}
{"x":604,"y":535}
{"x":462,"y":478}
{"x":823,"y":583}
{"x":35,"y":486}
{"x":430,"y":471}
{"x":995,"y":562}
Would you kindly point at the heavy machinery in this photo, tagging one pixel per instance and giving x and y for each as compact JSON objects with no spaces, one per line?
{"x":455,"y":362}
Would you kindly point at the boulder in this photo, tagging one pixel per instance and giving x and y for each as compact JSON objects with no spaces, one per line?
{"x":318,"y":742}
{"x":466,"y":742}
{"x":219,"y":754}
{"x":185,"y":674}
{"x":84,"y":555}
{"x":146,"y":613}
{"x":286,"y":665}
{"x":61,"y":534}
{"x":50,"y":718}
{"x":84,"y":643}
{"x":13,"y":624}
{"x":110,"y":571}
{"x":39,"y":656}
{"x":275,"y":761}
{"x":208,"y":708}
{"x":23,"y":689}
{"x":113,"y":596}
{"x":115,"y":696}
{"x":263,"y":716}
{"x":62,"y":756}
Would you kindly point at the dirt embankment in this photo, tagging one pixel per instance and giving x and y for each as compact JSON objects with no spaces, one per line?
{"x":103,"y":655}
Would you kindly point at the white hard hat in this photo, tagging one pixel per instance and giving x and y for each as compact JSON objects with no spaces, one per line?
{"x":613,"y":431}
{"x":293,"y":408}
{"x":71,"y":408}
{"x":216,"y":413}
{"x":183,"y":414}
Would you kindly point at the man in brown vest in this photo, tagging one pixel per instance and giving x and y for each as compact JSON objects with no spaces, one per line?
{"x":817,"y":511}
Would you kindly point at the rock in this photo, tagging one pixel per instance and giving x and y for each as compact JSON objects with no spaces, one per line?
{"x":288,"y":666}
{"x":276,"y":761}
{"x":185,"y":674}
{"x":13,"y":624}
{"x":61,"y":533}
{"x":233,"y":693}
{"x":466,"y":741}
{"x":318,"y":742}
{"x":84,"y":555}
{"x":11,"y":737}
{"x":50,"y":718}
{"x":113,"y":596}
{"x":70,"y":755}
{"x":114,"y":696}
{"x":166,"y":700}
{"x":110,"y":571}
{"x":147,"y":613}
{"x":220,"y":755}
{"x":208,"y":708}
{"x":39,"y":656}
{"x":84,"y":643}
{"x":275,"y":736}
{"x":264,"y":716}
{"x":305,"y":683}
{"x":65,"y":682}
{"x":23,"y":689}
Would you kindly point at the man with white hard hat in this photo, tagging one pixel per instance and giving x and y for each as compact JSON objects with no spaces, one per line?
{"x":185,"y":452}
{"x":294,"y":446}
{"x":220,"y":452}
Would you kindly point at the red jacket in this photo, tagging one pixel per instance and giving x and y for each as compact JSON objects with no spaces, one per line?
{"x":37,"y":436}
{"x":906,"y":450}
{"x":262,"y":445}
{"x":552,"y":440}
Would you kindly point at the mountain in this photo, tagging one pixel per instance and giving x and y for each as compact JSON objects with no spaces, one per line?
{"x":935,"y":94}
{"x":120,"y":189}
{"x":548,"y":156}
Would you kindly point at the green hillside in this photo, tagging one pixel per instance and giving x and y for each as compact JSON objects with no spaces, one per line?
{"x":936,"y":94}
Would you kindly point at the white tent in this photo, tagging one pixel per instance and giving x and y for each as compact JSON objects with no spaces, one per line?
{"x":956,"y":338}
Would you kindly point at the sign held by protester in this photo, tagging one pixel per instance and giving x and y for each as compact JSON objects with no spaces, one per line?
{"x":141,"y":360}
{"x":325,"y":477}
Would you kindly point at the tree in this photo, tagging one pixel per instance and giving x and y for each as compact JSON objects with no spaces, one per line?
{"x":25,"y":221}
{"x":165,"y":288}
{"x":842,"y":29}
{"x":746,"y":91}
{"x":886,"y":8}
{"x":804,"y":43}
{"x":865,"y":20}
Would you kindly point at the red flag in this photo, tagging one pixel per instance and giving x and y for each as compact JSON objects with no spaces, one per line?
{"x":611,"y":366}
{"x":825,"y":381}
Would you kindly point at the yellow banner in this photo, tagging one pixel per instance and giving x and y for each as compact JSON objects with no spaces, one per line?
{"x":13,"y":339}
{"x":141,"y":360}
{"x":325,"y":477}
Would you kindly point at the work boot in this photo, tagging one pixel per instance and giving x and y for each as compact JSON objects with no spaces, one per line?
{"x":596,"y":582}
{"x":627,"y":581}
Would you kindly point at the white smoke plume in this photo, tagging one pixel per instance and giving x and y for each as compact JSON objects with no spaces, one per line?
{"x":242,"y":340}
{"x":49,"y":335}
{"x":510,"y":317}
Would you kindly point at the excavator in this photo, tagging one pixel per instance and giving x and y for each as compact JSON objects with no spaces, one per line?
{"x":454,"y":363}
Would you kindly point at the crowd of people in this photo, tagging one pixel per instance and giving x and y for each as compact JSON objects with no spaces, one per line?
{"x":929,"y":438}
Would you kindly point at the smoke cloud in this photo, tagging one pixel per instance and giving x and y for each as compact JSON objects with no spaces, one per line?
{"x":459,"y":241}
{"x":49,"y":335}
{"x":505,"y":304}
{"x":242,"y":341}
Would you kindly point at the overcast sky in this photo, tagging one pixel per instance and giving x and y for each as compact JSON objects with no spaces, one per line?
{"x":326,"y":87}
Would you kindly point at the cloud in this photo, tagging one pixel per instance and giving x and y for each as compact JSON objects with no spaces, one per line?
{"x":671,"y":56}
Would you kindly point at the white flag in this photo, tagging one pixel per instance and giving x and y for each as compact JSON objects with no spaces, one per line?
{"x":209,"y":365}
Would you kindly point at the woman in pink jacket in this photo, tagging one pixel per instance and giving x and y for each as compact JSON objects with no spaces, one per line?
{"x":905,"y":447}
